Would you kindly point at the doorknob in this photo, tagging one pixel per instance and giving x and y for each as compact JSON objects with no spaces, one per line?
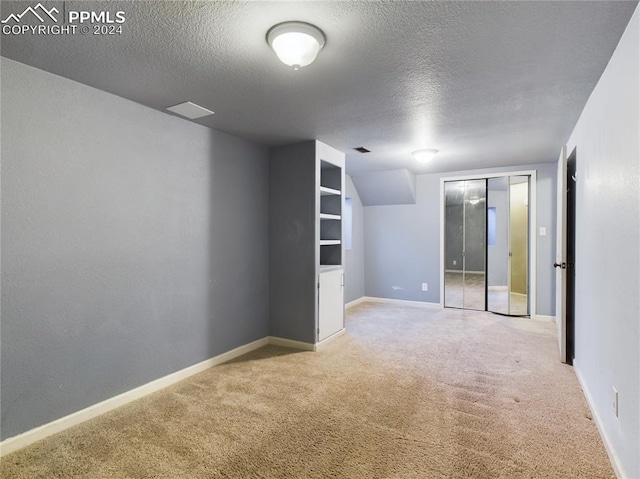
{"x":560,"y":265}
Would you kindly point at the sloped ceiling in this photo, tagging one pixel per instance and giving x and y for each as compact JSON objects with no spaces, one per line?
{"x":391,"y":187}
{"x":486,"y":83}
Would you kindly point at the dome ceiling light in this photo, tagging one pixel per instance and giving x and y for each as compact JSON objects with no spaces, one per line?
{"x":297,"y":44}
{"x":424,"y":156}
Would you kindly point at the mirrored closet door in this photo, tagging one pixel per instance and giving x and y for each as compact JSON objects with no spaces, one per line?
{"x":487,"y":244}
{"x":465,"y":234}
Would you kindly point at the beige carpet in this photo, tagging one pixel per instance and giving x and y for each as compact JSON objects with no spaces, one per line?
{"x":407,"y":393}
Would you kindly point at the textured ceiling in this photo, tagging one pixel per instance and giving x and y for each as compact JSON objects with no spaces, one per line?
{"x":486,"y":83}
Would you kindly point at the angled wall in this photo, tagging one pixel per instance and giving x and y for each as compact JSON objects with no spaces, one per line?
{"x":394,"y":187}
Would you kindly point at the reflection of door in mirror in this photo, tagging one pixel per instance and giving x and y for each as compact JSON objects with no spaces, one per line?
{"x":508,"y":245}
{"x":498,"y":245}
{"x":519,"y":244}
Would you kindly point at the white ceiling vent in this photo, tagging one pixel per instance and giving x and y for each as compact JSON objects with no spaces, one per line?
{"x":190,"y":110}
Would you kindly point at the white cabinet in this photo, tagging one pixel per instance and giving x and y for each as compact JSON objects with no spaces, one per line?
{"x":330,"y":302}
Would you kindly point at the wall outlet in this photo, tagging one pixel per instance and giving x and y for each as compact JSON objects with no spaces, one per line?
{"x":455,"y":262}
{"x":543,"y":231}
{"x":425,"y":286}
{"x":615,"y":402}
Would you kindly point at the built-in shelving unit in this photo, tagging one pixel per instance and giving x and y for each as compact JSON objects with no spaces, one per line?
{"x":328,"y":216}
{"x":331,"y":201}
{"x":325,"y":191}
{"x":306,"y":198}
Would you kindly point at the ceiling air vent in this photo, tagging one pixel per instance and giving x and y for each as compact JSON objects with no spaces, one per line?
{"x":190,"y":110}
{"x":362,"y":149}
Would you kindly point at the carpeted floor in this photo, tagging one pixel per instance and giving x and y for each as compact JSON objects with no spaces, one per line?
{"x":407,"y":393}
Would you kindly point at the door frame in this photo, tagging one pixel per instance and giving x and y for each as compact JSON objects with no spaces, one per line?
{"x":533,"y":228}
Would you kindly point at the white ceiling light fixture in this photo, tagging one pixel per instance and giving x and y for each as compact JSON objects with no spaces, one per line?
{"x":424,"y":156}
{"x":297,"y":44}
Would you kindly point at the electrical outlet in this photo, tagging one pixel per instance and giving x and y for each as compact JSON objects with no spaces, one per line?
{"x":615,"y":402}
{"x":455,"y":262}
{"x":425,"y":286}
{"x":543,"y":231}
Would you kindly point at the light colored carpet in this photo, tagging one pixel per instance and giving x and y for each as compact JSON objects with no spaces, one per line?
{"x":407,"y":393}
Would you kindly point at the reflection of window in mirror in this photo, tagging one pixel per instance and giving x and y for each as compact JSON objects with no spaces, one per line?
{"x":491,"y":226}
{"x":347,"y":223}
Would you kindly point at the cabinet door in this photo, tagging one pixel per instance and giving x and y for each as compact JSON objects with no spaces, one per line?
{"x":331,"y":304}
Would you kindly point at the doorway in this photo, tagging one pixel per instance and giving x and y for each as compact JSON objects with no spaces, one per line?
{"x":487,"y":258}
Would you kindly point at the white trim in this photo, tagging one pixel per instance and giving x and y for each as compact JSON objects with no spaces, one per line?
{"x":442,"y":265}
{"x":328,"y":340}
{"x":543,"y":318}
{"x":355,"y":302}
{"x":613,"y":457}
{"x":290,"y":343}
{"x":533,"y":243}
{"x":12,"y":444}
{"x":498,"y":288}
{"x":422,"y":304}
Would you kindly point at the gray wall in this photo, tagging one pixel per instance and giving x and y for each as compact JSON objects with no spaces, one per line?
{"x":354,"y":258}
{"x":293,"y":245}
{"x":133,"y":245}
{"x":607,"y":330}
{"x":402,"y":243}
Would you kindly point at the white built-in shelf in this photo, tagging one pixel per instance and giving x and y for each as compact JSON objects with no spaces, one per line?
{"x":328,"y":242}
{"x":325,"y":191}
{"x":325,"y":268}
{"x":327,"y":216}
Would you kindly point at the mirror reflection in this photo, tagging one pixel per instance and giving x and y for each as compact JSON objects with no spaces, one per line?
{"x":465,"y":234}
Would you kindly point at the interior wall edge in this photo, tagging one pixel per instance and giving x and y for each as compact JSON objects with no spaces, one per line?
{"x":613,"y":457}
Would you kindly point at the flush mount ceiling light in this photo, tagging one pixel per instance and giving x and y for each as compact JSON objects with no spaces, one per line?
{"x":424,"y":156}
{"x":296,"y":43}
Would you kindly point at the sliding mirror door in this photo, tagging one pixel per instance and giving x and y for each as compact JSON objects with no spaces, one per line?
{"x":519,"y":245}
{"x":487,"y":244}
{"x":508,"y":245}
{"x":465,"y":245}
{"x":498,"y":245}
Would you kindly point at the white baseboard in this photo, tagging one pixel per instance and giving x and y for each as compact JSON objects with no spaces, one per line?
{"x":12,"y":444}
{"x":543,"y":318}
{"x":329,"y":340}
{"x":422,"y":304}
{"x":355,"y":302}
{"x":613,"y":457}
{"x":290,"y":343}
